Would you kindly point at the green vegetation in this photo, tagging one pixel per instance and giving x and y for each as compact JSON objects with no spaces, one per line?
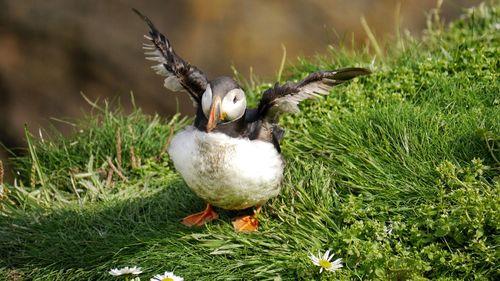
{"x":398,"y":173}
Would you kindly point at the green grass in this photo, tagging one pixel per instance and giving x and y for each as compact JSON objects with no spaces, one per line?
{"x":398,"y":173}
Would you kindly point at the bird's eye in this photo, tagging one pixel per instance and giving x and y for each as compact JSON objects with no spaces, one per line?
{"x":235,"y":99}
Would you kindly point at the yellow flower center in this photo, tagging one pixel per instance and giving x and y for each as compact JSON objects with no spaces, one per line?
{"x":167,"y":279}
{"x":325,"y":264}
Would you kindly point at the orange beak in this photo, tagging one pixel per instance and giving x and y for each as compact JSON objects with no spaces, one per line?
{"x":215,"y":114}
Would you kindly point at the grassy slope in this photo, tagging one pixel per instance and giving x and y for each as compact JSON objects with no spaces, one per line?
{"x":397,"y":173}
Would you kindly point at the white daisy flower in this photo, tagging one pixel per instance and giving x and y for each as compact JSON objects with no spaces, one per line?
{"x":325,"y":263}
{"x":388,"y":229}
{"x":167,"y":276}
{"x":126,"y":271}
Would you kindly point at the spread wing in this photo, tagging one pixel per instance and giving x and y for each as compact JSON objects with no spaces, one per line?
{"x":179,"y":75}
{"x":285,"y":98}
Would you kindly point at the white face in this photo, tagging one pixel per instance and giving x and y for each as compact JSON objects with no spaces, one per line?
{"x":234,"y":104}
{"x":232,"y":107}
{"x":206,"y":100}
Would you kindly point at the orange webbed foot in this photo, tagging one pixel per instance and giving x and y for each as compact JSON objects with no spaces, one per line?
{"x":199,"y":219}
{"x":247,"y":223}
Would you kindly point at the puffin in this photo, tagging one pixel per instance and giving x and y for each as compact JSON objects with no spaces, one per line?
{"x":230,"y":156}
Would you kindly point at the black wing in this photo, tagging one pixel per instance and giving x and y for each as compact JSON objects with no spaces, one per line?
{"x":180,"y":75}
{"x":285,"y":98}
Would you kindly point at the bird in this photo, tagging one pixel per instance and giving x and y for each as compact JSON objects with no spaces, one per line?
{"x":230,"y":156}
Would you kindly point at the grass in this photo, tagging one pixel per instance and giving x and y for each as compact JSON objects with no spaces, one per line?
{"x":398,"y":173}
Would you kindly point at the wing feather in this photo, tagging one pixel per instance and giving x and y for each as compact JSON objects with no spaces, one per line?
{"x":179,"y":75}
{"x":286,"y":98}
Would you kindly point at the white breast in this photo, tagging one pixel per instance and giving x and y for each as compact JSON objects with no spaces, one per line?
{"x":230,"y":173}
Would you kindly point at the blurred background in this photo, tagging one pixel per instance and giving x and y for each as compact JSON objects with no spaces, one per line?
{"x":51,"y":51}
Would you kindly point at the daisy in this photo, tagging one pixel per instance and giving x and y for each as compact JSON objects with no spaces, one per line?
{"x":126,"y":271}
{"x":324,"y":262}
{"x":167,"y":276}
{"x":388,"y":229}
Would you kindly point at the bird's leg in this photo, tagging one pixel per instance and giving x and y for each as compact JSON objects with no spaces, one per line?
{"x":247,"y":223}
{"x":201,"y":218}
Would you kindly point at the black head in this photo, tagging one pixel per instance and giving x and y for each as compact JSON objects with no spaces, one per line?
{"x":223,"y":101}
